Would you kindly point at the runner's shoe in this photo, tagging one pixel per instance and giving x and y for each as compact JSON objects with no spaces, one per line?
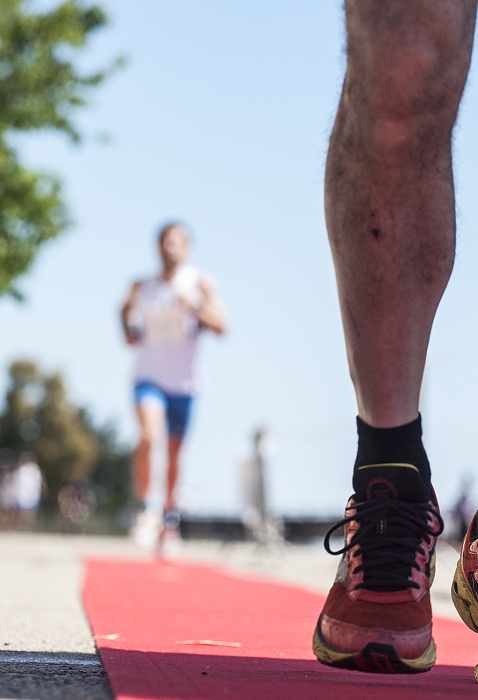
{"x":170,"y":538}
{"x":377,"y":616}
{"x":146,"y":529}
{"x":464,"y":590}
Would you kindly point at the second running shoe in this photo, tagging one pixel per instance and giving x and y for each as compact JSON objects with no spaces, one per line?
{"x":377,"y":616}
{"x":464,"y":590}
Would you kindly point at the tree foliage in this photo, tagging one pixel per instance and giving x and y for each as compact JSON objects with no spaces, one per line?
{"x":111,"y":479}
{"x":40,"y":88}
{"x":39,"y":417}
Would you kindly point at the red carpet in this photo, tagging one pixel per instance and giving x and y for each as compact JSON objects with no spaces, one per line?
{"x":149,"y":607}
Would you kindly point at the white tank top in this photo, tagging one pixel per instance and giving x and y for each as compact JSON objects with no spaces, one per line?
{"x":166,"y":352}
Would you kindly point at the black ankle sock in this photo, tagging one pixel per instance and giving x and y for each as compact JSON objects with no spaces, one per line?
{"x":395,"y":453}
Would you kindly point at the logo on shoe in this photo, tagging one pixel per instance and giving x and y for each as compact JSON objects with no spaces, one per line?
{"x":381,"y":488}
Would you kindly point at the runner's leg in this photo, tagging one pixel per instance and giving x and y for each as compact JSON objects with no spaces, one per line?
{"x":178,"y":410}
{"x":174,"y":447}
{"x":178,"y":414}
{"x":151,"y":417}
{"x":389,"y":190}
{"x":391,"y":220}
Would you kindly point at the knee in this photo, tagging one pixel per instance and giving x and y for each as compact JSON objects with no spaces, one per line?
{"x":410,"y":102}
{"x":406,"y":88}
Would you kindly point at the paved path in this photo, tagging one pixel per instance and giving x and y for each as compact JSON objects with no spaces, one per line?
{"x":46,"y":647}
{"x":47,"y":651}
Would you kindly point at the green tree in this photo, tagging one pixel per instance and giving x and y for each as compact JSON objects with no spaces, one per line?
{"x":111,"y":477}
{"x":40,"y":88}
{"x":39,"y":417}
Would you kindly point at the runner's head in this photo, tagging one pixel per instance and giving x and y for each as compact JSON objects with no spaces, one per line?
{"x":174,"y":244}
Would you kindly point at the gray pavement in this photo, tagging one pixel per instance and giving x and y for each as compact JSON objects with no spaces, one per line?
{"x":47,"y":651}
{"x":46,"y":647}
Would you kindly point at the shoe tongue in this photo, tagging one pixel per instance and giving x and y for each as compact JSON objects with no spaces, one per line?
{"x":402,"y":482}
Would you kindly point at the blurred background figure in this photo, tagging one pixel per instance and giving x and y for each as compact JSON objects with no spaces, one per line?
{"x":163,"y":318}
{"x":21,"y":490}
{"x":39,"y":417}
{"x":77,"y":502}
{"x":463,"y":511}
{"x":258,"y":522}
{"x":8,"y":495}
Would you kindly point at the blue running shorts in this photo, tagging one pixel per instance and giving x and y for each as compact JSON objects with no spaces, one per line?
{"x":177,"y":406}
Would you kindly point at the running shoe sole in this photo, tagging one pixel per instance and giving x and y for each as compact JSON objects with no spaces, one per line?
{"x":462,"y":594}
{"x":464,"y":600}
{"x":464,"y":589}
{"x":373,"y":658}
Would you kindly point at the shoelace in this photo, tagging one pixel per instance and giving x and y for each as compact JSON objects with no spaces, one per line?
{"x":389,"y":538}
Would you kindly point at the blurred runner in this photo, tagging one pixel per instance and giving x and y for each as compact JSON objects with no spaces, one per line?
{"x":163,"y":318}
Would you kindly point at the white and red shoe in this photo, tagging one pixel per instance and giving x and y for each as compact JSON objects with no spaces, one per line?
{"x":146,"y":530}
{"x":377,"y":616}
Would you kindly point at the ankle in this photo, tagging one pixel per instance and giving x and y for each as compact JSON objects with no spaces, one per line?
{"x":385,"y":447}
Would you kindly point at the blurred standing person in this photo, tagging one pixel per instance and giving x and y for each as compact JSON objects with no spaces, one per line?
{"x":21,"y":492}
{"x":8,"y":496}
{"x":163,"y":318}
{"x":31,"y":486}
{"x":258,"y":520}
{"x":464,"y":509}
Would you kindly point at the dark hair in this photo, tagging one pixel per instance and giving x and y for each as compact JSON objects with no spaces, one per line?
{"x":166,"y":228}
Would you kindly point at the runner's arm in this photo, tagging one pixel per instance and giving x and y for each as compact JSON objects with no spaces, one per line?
{"x":211,"y":313}
{"x":125,"y":312}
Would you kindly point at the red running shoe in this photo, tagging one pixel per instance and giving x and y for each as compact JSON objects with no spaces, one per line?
{"x":377,"y":616}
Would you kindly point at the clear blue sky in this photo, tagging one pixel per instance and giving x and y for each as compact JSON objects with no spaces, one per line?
{"x":221,"y":118}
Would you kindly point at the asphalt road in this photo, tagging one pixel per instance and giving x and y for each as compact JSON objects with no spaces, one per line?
{"x":47,"y":651}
